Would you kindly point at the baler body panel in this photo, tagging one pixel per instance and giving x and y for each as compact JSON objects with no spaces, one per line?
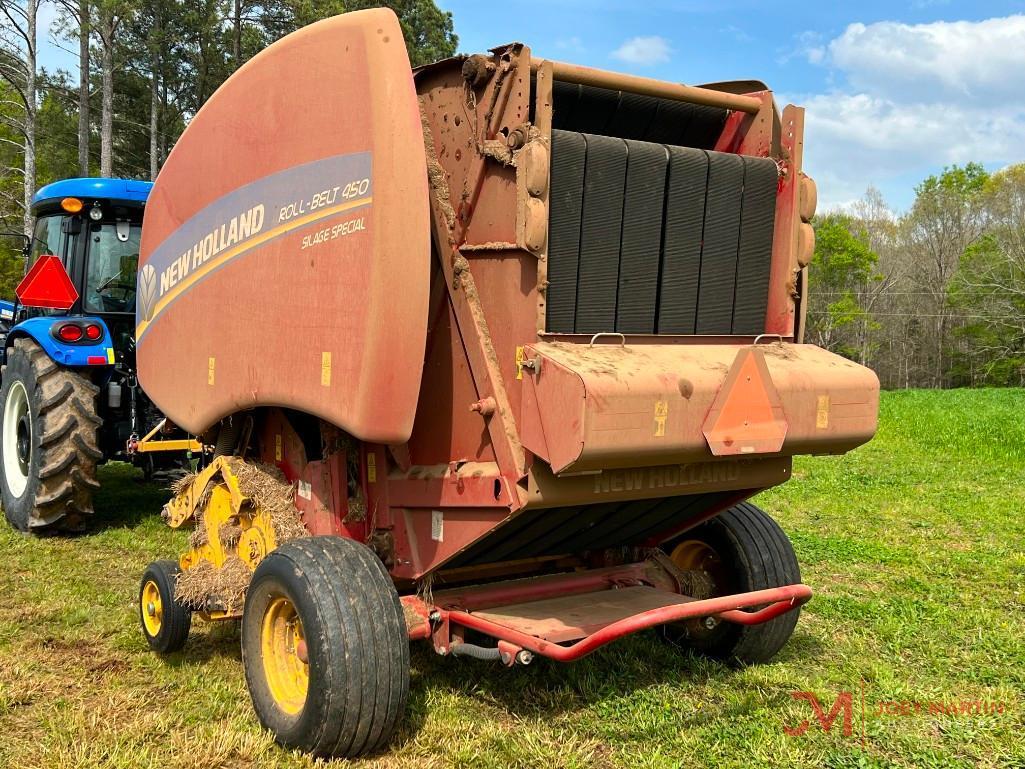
{"x":608,"y":407}
{"x":285,"y":254}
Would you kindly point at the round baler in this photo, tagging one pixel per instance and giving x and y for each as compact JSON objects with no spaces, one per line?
{"x":494,"y":353}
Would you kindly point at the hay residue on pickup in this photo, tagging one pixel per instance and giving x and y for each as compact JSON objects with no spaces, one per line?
{"x":207,"y":587}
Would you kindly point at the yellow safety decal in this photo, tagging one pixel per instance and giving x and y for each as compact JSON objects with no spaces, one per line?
{"x":661,"y":415}
{"x":210,"y":372}
{"x":520,"y":357}
{"x":371,"y":468}
{"x":822,"y":413}
{"x":325,"y":369}
{"x":277,"y":448}
{"x":110,"y":355}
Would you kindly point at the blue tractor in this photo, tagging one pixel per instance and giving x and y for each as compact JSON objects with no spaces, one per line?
{"x":70,"y":397}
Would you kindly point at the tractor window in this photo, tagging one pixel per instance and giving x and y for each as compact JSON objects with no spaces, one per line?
{"x":47,"y":238}
{"x":113,"y":262}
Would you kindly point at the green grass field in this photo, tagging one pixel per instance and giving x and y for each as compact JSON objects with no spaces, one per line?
{"x":914,"y":544}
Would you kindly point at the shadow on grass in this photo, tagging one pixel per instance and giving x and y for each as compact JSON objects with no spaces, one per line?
{"x":125,"y":499}
{"x":547,"y":689}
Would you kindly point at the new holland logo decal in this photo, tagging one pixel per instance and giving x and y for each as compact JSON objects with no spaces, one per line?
{"x":249,"y":217}
{"x":147,"y":292}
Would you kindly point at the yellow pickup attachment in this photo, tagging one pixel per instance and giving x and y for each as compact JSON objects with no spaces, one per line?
{"x":240,"y":512}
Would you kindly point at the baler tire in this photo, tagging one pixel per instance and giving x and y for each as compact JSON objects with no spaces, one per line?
{"x":53,"y":490}
{"x":166,"y":624}
{"x":356,"y":647}
{"x":758,"y":555}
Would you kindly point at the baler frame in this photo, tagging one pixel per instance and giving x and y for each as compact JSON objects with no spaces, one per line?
{"x":443,"y":617}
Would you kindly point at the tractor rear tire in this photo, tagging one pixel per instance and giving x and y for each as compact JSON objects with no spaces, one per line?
{"x":742,"y":549}
{"x":48,"y":442}
{"x":325,"y":647}
{"x":165,"y":620}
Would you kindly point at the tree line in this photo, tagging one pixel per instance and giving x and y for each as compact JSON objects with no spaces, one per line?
{"x":934,"y":297}
{"x":144,"y":68}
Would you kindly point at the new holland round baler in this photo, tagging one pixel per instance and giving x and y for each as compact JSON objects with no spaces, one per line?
{"x":492,"y":353}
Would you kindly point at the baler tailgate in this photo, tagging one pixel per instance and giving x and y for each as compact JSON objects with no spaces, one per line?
{"x":599,"y":407}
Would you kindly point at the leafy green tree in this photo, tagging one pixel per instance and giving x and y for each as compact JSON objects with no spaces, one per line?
{"x":948,"y":216}
{"x":428,"y":31}
{"x":841,"y":274}
{"x":989,"y":287}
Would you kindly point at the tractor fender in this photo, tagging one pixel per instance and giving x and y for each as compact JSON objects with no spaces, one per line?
{"x":91,"y":354}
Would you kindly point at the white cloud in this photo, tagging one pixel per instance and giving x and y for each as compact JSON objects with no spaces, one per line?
{"x":916,"y":97}
{"x":737,"y":33}
{"x":573,"y":44}
{"x":644,"y":51}
{"x":807,"y":45}
{"x":979,"y":61}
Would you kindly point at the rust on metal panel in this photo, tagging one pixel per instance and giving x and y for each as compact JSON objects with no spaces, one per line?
{"x":569,"y":618}
{"x":460,"y":117}
{"x":780,"y":600}
{"x":683,"y":478}
{"x":748,"y":133}
{"x":574,"y":73}
{"x":496,"y":594}
{"x":544,"y":82}
{"x":780,"y":313}
{"x":267,"y":211}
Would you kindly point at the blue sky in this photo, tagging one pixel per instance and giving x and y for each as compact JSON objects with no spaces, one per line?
{"x":894,"y":91}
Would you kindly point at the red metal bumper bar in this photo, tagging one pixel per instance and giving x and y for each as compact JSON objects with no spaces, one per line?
{"x":780,"y":600}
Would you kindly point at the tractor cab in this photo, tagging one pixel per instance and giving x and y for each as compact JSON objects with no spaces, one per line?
{"x":93,"y":226}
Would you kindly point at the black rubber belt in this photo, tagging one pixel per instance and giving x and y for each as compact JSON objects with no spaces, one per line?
{"x":566,"y":198}
{"x":641,"y":239}
{"x":626,"y":115}
{"x":721,"y":238}
{"x":681,"y":244}
{"x":757,"y":221}
{"x":601,"y":226}
{"x":645,"y":238}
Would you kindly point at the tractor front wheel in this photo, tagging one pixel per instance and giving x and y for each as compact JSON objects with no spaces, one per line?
{"x":48,"y":442}
{"x":325,"y":648}
{"x":741,"y":550}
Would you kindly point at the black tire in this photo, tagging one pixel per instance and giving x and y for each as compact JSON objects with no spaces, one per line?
{"x":172,"y":618}
{"x":357,"y":649}
{"x":753,"y":553}
{"x":48,"y":471}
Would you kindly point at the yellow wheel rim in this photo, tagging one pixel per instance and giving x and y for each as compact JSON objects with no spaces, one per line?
{"x":152,"y":609}
{"x":695,"y":555}
{"x":285,"y":663}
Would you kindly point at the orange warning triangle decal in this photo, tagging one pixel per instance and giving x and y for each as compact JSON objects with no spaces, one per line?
{"x":747,"y":416}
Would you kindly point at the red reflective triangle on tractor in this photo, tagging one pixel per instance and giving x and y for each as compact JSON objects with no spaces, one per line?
{"x":747,"y":416}
{"x":47,"y":285}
